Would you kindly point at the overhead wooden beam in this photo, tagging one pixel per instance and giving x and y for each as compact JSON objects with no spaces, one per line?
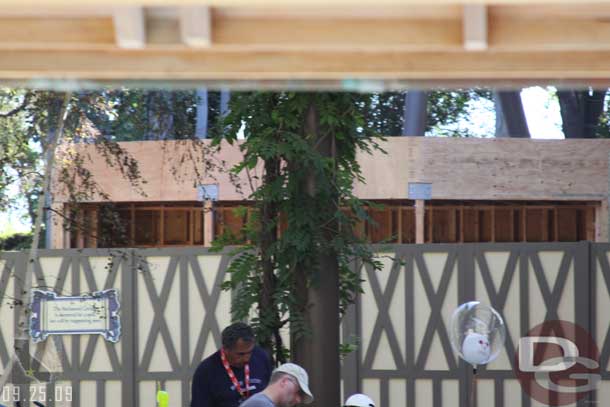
{"x":130,"y":27}
{"x":81,"y":33}
{"x":475,"y":27}
{"x":313,"y":65}
{"x":505,"y":32}
{"x":338,"y":34}
{"x":277,"y":3}
{"x":549,"y":34}
{"x":196,"y":26}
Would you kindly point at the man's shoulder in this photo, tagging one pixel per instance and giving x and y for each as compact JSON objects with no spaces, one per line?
{"x":211,"y":362}
{"x":260,"y":353}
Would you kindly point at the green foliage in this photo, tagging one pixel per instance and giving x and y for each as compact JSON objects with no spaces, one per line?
{"x":28,"y":119}
{"x":602,"y":129}
{"x":15,"y":241}
{"x":19,"y":158}
{"x":308,"y":183}
{"x":134,"y":114}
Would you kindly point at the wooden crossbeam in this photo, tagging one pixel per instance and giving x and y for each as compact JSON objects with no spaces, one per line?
{"x":500,"y":31}
{"x":211,"y":65}
{"x":279,"y":3}
{"x":194,"y":41}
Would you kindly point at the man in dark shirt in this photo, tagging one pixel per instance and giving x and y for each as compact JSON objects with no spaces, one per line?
{"x":232,"y":374}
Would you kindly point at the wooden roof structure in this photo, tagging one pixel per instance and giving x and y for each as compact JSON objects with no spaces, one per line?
{"x":406,"y":41}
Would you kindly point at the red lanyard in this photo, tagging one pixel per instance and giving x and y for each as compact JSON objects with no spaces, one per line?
{"x":225,"y":363}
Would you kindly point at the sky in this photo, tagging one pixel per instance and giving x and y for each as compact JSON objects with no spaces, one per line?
{"x":541,"y":111}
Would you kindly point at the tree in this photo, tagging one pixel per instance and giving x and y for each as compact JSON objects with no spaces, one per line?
{"x":18,"y":157}
{"x":581,"y":111}
{"x":307,"y":143}
{"x":101,"y":118}
{"x":510,"y":116}
{"x":384,"y":112}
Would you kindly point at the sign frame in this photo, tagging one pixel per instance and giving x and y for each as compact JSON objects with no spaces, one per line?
{"x":109,"y":310}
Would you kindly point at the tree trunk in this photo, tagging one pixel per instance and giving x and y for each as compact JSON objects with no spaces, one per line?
{"x":270,"y":216}
{"x":160,"y":115}
{"x":318,"y":353}
{"x":225,"y":98}
{"x":510,"y":116}
{"x":201,"y":126}
{"x":580,"y":111}
{"x":21,"y":359}
{"x":415,"y":113}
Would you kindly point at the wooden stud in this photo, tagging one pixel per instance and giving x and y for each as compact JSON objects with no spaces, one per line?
{"x":493,"y":224}
{"x":161,"y":238}
{"x":389,"y":223}
{"x":208,"y":223}
{"x":132,"y":231}
{"x":475,"y":27}
{"x":399,"y":221}
{"x":590,"y":223}
{"x":555,"y":225}
{"x":196,"y":26}
{"x":93,"y":216}
{"x":601,"y":222}
{"x":191,"y":226}
{"x":461,"y":224}
{"x":419,"y":220}
{"x":130,"y":27}
{"x":511,"y":211}
{"x":80,"y":232}
{"x":430,"y":223}
{"x":523,"y":224}
{"x":544,"y":225}
{"x":477,"y":225}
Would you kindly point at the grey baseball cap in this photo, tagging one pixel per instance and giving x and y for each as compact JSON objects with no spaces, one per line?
{"x":302,"y":378}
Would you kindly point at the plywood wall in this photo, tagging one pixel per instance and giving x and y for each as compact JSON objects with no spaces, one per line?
{"x":475,"y":169}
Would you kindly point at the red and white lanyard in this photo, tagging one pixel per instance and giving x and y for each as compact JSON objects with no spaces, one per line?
{"x":225,"y":363}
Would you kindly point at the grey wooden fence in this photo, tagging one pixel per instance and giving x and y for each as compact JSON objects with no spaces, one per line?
{"x":173,"y":310}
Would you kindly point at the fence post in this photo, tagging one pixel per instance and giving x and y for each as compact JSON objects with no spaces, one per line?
{"x":466,"y":279}
{"x":129,"y":273}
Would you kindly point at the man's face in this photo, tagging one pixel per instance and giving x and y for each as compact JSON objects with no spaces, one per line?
{"x":240,"y":353}
{"x":291,"y":392}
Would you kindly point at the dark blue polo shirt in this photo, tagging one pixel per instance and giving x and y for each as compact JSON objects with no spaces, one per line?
{"x":213,"y":388}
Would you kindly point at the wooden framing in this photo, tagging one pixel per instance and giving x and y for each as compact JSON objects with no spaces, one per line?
{"x":468,"y":40}
{"x":439,"y":222}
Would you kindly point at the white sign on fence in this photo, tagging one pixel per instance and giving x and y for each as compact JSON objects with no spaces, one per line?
{"x":95,"y":313}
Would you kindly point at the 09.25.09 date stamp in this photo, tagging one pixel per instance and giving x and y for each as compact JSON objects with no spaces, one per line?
{"x":41,"y":393}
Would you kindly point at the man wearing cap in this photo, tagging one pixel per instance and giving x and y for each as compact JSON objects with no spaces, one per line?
{"x":289,"y":386}
{"x":232,"y":374}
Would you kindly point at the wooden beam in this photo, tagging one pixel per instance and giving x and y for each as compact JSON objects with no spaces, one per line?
{"x":475,"y":27}
{"x":506,"y":32}
{"x":196,"y":26}
{"x":265,"y":65}
{"x":547,"y":34}
{"x":277,"y":3}
{"x":338,"y":34}
{"x":130,"y":27}
{"x":82,"y":33}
